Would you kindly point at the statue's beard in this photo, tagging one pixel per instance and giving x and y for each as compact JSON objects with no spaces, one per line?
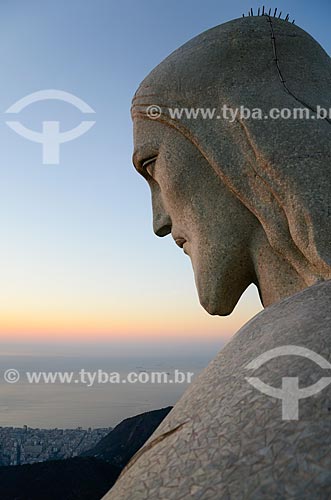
{"x":219,"y":283}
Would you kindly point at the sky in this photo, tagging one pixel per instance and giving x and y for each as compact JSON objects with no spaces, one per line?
{"x":79,"y":262}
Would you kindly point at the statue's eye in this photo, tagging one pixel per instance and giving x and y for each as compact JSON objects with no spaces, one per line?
{"x":148,"y":165}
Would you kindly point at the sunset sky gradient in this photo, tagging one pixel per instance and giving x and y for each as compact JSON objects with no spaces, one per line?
{"x":78,"y":259}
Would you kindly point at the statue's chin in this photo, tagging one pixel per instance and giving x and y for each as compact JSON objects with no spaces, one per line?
{"x":216,"y":295}
{"x":215,"y":305}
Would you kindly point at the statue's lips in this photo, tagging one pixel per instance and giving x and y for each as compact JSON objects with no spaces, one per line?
{"x":180,"y":241}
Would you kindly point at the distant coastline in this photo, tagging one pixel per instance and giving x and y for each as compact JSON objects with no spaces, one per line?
{"x":26,"y":445}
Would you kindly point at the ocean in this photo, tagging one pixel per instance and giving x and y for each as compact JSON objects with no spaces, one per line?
{"x":69,"y":405}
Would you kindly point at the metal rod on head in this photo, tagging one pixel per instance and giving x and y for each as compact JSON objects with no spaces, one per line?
{"x":258,"y":11}
{"x":252,"y":12}
{"x":269,"y":12}
{"x":293,"y":21}
{"x":275,"y":11}
{"x":279,"y":14}
{"x":286,"y":18}
{"x":262,"y":10}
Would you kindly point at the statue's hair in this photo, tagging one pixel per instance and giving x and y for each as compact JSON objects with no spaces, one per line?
{"x":279,"y":169}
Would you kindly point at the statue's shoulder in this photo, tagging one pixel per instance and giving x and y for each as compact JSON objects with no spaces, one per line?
{"x":225,"y":438}
{"x":291,"y":317}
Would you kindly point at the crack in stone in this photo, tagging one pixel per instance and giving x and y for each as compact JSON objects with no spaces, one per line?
{"x":150,"y":445}
{"x":273,"y":41}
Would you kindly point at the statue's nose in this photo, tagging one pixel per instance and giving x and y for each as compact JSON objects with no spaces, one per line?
{"x":161,"y":219}
{"x":162,"y":226}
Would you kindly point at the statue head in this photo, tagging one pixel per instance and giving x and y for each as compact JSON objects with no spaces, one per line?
{"x":247,"y":198}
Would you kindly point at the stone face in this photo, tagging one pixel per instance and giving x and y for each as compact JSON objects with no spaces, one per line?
{"x":277,"y":168}
{"x":249,"y":200}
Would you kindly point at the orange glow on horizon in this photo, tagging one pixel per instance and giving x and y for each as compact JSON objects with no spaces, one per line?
{"x":29,"y":325}
{"x":98,"y":321}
